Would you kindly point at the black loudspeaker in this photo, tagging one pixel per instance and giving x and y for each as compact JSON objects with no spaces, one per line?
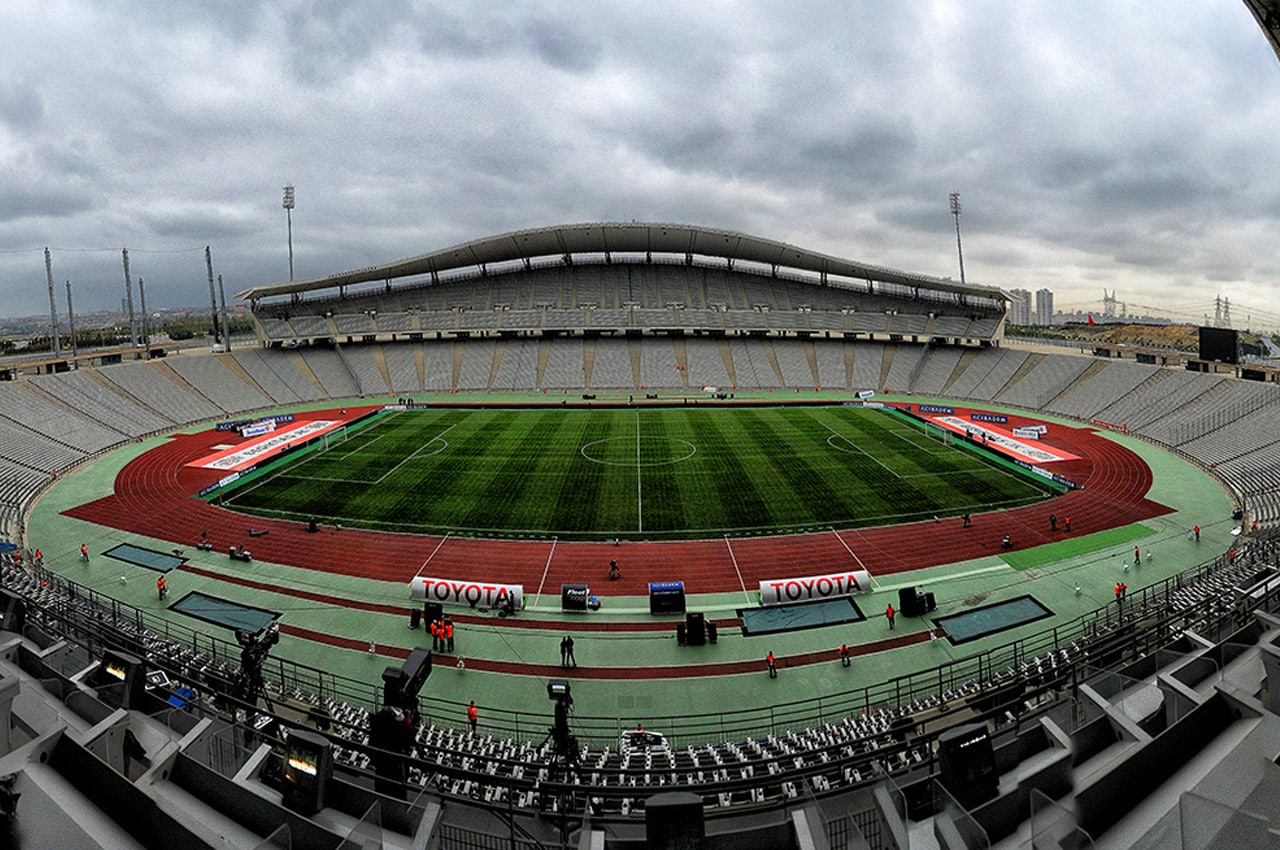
{"x":695,"y":628}
{"x":930,"y":604}
{"x":673,"y":821}
{"x":432,"y":612}
{"x":415,"y":618}
{"x":909,"y":602}
{"x":573,"y":597}
{"x":711,"y":631}
{"x":968,"y":764}
{"x":391,"y":735}
{"x":682,"y":636}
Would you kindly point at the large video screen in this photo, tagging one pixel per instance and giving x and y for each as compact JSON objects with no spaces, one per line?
{"x":1220,"y":344}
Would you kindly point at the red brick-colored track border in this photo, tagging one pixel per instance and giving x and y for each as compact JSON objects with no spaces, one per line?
{"x":154,"y":497}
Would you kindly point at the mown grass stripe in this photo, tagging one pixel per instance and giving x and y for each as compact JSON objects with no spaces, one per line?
{"x":588,"y":473}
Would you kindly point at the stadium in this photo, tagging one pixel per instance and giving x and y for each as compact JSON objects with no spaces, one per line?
{"x":493,"y":385}
{"x":829,"y":561}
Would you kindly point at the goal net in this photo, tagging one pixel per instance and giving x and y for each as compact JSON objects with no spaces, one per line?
{"x":335,"y":437}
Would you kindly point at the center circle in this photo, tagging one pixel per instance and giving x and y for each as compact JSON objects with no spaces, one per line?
{"x":652,"y":451}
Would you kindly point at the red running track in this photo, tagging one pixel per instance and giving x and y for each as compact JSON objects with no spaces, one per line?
{"x":154,"y":496}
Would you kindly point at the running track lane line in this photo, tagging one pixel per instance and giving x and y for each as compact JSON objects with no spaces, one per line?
{"x":152,"y":496}
{"x":733,"y":558}
{"x":546,"y":569}
{"x":852,"y":553}
{"x":422,"y":568}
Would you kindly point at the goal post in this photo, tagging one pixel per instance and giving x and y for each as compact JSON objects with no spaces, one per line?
{"x":333,"y":438}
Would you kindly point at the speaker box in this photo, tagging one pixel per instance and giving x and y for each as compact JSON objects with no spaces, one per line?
{"x":968,"y":764}
{"x":909,"y":602}
{"x":666,"y":597}
{"x":673,"y":821}
{"x":682,"y":635}
{"x":573,"y":597}
{"x":695,"y":628}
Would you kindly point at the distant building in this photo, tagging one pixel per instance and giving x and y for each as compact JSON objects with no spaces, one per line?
{"x":1044,"y":307}
{"x":1020,"y":311}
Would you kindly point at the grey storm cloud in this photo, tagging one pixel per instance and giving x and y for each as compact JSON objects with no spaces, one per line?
{"x":1094,"y":144}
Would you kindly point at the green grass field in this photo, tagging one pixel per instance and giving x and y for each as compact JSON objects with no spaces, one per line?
{"x":632,"y":473}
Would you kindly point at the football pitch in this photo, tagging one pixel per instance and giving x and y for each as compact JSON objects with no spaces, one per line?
{"x":633,"y":473}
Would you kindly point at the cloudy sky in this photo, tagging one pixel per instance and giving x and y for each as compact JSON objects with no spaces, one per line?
{"x":1096,"y":145}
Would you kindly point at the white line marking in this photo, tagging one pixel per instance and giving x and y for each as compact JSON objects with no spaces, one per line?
{"x":437,"y":437}
{"x":545,"y":570}
{"x":861,"y":450}
{"x":733,"y":558}
{"x":639,"y":492}
{"x":423,"y":568}
{"x":852,"y":553}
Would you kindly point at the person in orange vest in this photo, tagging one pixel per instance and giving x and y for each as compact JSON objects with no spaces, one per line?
{"x":162,"y":588}
{"x":1137,"y":556}
{"x":471,"y":715}
{"x":435,"y":635}
{"x":1066,"y":522}
{"x":1197,"y":533}
{"x":448,"y":633}
{"x":84,"y":552}
{"x":844,"y":655}
{"x":1117,"y":593}
{"x":772,"y":665}
{"x":888,"y":615}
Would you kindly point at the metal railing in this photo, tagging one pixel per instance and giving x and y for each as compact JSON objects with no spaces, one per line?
{"x":1146,"y":620}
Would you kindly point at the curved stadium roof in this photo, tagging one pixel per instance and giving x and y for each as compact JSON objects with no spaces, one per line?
{"x":565,"y":240}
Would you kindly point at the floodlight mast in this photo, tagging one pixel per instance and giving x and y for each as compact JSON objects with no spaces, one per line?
{"x":955,"y":211}
{"x":287,"y":203}
{"x":53,"y":305}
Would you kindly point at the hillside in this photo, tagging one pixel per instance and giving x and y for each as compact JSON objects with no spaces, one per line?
{"x":1169,"y":337}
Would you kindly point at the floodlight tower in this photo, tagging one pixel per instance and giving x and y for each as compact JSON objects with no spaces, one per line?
{"x":288,"y":211}
{"x":955,"y":211}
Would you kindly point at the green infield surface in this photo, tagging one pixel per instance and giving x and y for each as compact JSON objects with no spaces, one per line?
{"x":649,"y":473}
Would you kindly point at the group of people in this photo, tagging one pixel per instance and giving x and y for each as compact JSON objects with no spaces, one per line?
{"x":441,"y":634}
{"x":566,"y":653}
